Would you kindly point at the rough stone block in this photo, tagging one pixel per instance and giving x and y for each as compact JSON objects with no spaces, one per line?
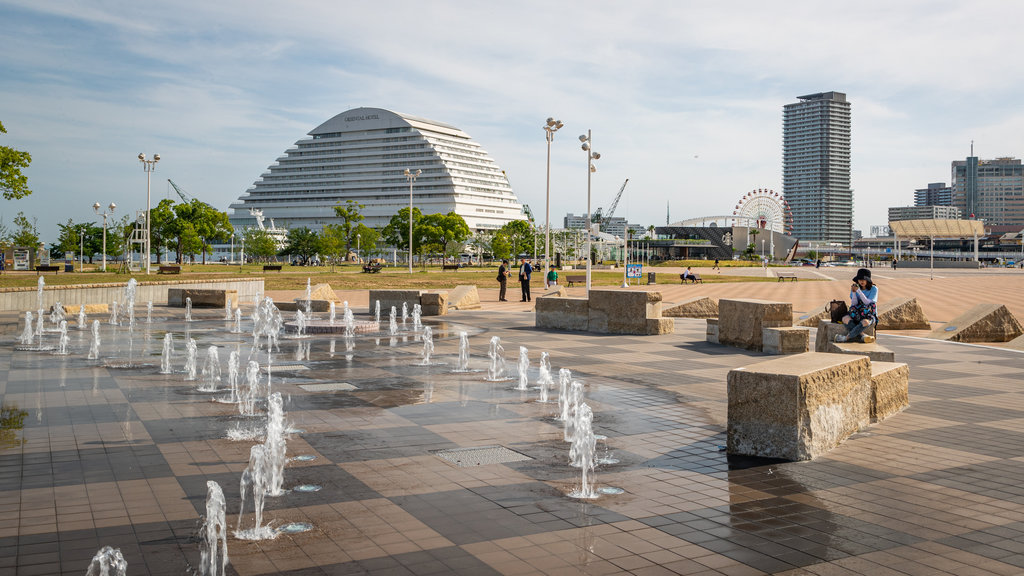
{"x":874,"y":351}
{"x":791,"y":340}
{"x":389,"y":298}
{"x":434,"y":304}
{"x":825,"y":339}
{"x":797,"y":407}
{"x":90,"y":309}
{"x":622,"y":311}
{"x":464,"y":298}
{"x":701,"y":307}
{"x":902,"y":314}
{"x":656,"y":326}
{"x":982,"y":323}
{"x":712,"y":331}
{"x":741,"y":321}
{"x":563,"y":313}
{"x":555,"y":292}
{"x":890,"y":389}
{"x":323,"y":292}
{"x":201,"y":298}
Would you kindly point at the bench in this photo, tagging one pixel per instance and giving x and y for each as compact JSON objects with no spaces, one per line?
{"x":787,"y":276}
{"x":693,"y":278}
{"x":169,"y":270}
{"x":44,"y":269}
{"x":571,"y":279}
{"x":271,"y":267}
{"x":450,"y":266}
{"x":372,"y":268}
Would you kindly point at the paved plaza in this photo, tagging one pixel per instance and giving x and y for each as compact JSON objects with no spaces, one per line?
{"x":92,"y":455}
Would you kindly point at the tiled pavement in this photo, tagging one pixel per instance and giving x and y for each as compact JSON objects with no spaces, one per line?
{"x":93,"y":456}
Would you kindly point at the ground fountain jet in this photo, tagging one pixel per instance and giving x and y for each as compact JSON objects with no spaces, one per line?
{"x":584,"y":445}
{"x":332,"y":312}
{"x":167,"y":354}
{"x":129,"y":301}
{"x":233,"y":368}
{"x":376,"y":312}
{"x":463,"y":365}
{"x":107,"y":562}
{"x":405,"y":312}
{"x":149,"y":312}
{"x":40,"y":283}
{"x":524,"y":367}
{"x":57,"y":313}
{"x":213,"y":546}
{"x":544,"y":380}
{"x":496,"y":368}
{"x":40,"y":327}
{"x":247,"y":396}
{"x":573,"y":402}
{"x":94,"y":346}
{"x":255,"y":479}
{"x":428,"y":345}
{"x":190,"y":359}
{"x":237,"y":328}
{"x":309,"y":298}
{"x":417,"y":315}
{"x":27,"y":336}
{"x":188,"y":309}
{"x":392,"y":323}
{"x":564,"y":380}
{"x":113,"y":313}
{"x":81,"y":317}
{"x":211,"y":371}
{"x":277,"y":445}
{"x":300,"y":323}
{"x":62,"y":343}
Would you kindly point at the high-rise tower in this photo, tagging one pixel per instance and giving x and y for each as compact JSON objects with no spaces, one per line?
{"x":816,"y":166}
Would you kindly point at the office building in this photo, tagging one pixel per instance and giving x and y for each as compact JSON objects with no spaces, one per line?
{"x":936,"y":194}
{"x":897,"y":213}
{"x":816,"y":167}
{"x":362,"y":155}
{"x":574,"y":221}
{"x":990,"y":190}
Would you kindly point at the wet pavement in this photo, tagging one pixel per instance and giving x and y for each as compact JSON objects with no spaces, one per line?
{"x":93,"y":456}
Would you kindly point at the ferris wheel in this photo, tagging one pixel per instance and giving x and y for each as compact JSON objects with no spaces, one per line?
{"x":764,"y":209}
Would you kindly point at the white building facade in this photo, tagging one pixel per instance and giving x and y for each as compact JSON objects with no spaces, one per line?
{"x":362,"y":155}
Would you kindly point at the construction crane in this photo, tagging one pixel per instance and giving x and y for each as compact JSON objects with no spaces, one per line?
{"x":185,"y":197}
{"x":598,"y":217}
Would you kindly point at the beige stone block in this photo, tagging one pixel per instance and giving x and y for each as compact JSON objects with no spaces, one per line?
{"x":824,"y":340}
{"x":201,"y":297}
{"x":711,"y":335}
{"x":562,"y":313}
{"x":983,"y":323}
{"x":434,"y":303}
{"x":902,"y":314}
{"x":314,"y":305}
{"x":811,"y":319}
{"x":656,"y":326}
{"x":890,"y":389}
{"x":622,"y":311}
{"x":797,"y":407}
{"x":741,"y":321}
{"x":90,"y":309}
{"x":323,"y":292}
{"x":554,"y":292}
{"x":1017,"y":343}
{"x":790,"y":340}
{"x":701,"y":307}
{"x":464,"y":297}
{"x":396,"y":298}
{"x":874,"y":351}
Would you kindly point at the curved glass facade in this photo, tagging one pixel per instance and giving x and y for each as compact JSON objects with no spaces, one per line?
{"x":362,"y":155}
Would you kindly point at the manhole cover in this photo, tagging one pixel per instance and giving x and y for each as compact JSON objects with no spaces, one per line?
{"x":481,"y":455}
{"x":328,"y":387}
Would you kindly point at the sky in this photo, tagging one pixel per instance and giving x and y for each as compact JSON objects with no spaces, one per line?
{"x":684,"y":98}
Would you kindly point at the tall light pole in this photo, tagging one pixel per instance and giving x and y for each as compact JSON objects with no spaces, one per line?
{"x":550,"y":127}
{"x":411,"y":177}
{"x":96,"y":208}
{"x":148,"y":166}
{"x":591,"y":156}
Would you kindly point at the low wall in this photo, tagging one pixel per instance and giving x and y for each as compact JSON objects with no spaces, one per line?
{"x":605,"y":312}
{"x":21,"y":299}
{"x":971,"y":264}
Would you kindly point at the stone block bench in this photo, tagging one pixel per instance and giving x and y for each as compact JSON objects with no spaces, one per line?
{"x":890,"y":389}
{"x":785,"y":340}
{"x":797,"y":407}
{"x":605,"y":312}
{"x":396,"y":298}
{"x":825,"y":340}
{"x":874,"y":351}
{"x":741,"y":322}
{"x":201,"y":298}
{"x":711,"y":334}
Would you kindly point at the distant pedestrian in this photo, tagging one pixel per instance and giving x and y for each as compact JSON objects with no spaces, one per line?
{"x":817,"y":263}
{"x":893,"y":263}
{"x":716,"y":266}
{"x":524,"y":279}
{"x":502,"y":280}
{"x":551,"y":279}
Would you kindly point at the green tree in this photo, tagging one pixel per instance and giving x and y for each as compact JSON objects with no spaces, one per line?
{"x":259,"y":244}
{"x":443,"y":232}
{"x":366,"y":239}
{"x":164,"y":231}
{"x":396,"y":233}
{"x":500,"y":246}
{"x":519,"y":235}
{"x":13,"y":184}
{"x":302,"y":242}
{"x":350,"y":217}
{"x":25,"y":232}
{"x":332,"y":243}
{"x":207,"y":223}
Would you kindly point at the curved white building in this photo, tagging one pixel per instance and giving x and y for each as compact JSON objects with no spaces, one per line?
{"x":362,"y":155}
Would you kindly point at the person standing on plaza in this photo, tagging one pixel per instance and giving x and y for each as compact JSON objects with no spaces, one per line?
{"x":524,"y":279}
{"x":551,"y":279}
{"x":503,"y":274}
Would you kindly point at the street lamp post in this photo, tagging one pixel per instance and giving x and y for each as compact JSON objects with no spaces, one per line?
{"x":148,"y":166}
{"x":411,"y":177}
{"x":625,"y":258}
{"x":96,"y":208}
{"x":591,"y":156}
{"x":550,"y":127}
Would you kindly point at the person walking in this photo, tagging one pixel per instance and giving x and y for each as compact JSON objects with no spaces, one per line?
{"x":716,"y":266}
{"x":524,"y":279}
{"x":503,"y":274}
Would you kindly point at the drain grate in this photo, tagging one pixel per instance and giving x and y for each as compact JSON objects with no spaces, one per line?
{"x":330,"y":387}
{"x":481,"y":455}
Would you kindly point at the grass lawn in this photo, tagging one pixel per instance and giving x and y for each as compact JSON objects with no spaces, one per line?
{"x":349,"y":277}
